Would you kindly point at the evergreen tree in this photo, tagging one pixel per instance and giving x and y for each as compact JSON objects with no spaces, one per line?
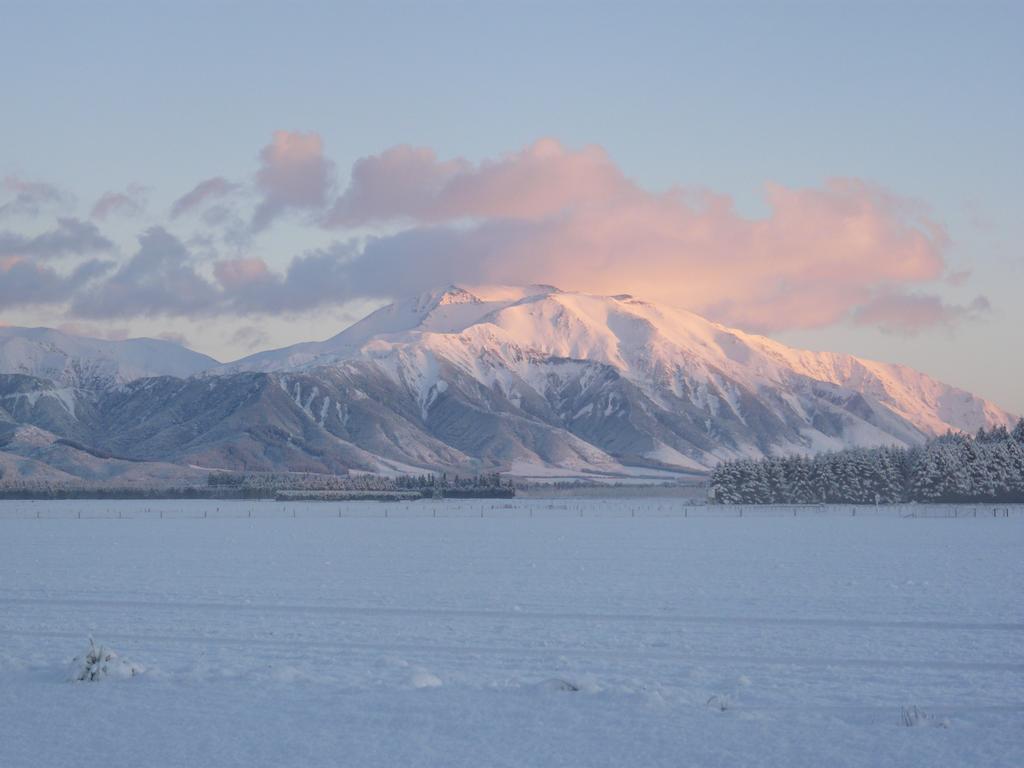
{"x":1018,"y":432}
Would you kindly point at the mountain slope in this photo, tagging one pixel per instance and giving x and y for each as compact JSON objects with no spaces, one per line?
{"x":78,"y":361}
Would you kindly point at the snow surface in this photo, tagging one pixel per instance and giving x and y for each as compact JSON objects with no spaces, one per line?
{"x":479,"y":641}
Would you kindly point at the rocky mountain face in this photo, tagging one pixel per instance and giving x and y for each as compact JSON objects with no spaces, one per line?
{"x":534,"y":381}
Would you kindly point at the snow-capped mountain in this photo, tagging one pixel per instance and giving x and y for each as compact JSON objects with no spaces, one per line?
{"x":533,"y":381}
{"x":641,"y":382}
{"x":86,"y":363}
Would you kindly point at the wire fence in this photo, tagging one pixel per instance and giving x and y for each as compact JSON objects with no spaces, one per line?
{"x":480,"y":508}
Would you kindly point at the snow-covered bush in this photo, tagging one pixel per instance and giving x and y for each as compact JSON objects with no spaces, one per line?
{"x":100,"y":663}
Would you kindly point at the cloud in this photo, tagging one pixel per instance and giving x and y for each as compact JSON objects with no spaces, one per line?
{"x":540,"y":181}
{"x":911,"y":313}
{"x":959,"y":277}
{"x":400,"y":182}
{"x":129,"y":203}
{"x":203,"y":193}
{"x":312,"y":279}
{"x":844,"y":251}
{"x":71,"y":237}
{"x":175,"y":338}
{"x":238,"y":272}
{"x":161,"y":279}
{"x":158,"y":280}
{"x":30,"y":197}
{"x":93,"y":331}
{"x":24,"y":282}
{"x":571,"y":218}
{"x":249,"y":337}
{"x":294,"y":175}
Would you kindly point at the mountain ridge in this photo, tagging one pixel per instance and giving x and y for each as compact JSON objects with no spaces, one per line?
{"x":532,"y":381}
{"x":89,"y":363}
{"x":900,"y":385}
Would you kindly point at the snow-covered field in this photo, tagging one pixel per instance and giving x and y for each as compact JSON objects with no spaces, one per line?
{"x":601,"y":640}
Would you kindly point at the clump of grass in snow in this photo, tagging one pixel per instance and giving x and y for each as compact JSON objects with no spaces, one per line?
{"x":100,"y":663}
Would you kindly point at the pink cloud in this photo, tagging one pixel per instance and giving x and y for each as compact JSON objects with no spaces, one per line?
{"x":571,"y":218}
{"x":844,"y":251}
{"x":31,"y":197}
{"x":294,"y":174}
{"x":129,"y":203}
{"x":235,"y":272}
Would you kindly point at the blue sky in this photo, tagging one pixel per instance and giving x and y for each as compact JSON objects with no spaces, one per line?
{"x":921,"y":99}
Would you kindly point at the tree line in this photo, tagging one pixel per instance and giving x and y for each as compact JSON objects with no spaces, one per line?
{"x":954,"y":467}
{"x":312,"y":485}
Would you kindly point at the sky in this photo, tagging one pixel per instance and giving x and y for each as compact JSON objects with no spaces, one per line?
{"x":236,"y":176}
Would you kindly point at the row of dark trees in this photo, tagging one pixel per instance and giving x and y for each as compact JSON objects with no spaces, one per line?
{"x":268,"y":484}
{"x":952,"y":468}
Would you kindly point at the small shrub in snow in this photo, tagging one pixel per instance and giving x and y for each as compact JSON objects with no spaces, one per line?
{"x":911,"y":717}
{"x":100,"y":663}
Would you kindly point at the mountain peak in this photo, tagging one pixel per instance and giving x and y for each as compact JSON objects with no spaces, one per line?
{"x":455,"y":294}
{"x":452,"y":295}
